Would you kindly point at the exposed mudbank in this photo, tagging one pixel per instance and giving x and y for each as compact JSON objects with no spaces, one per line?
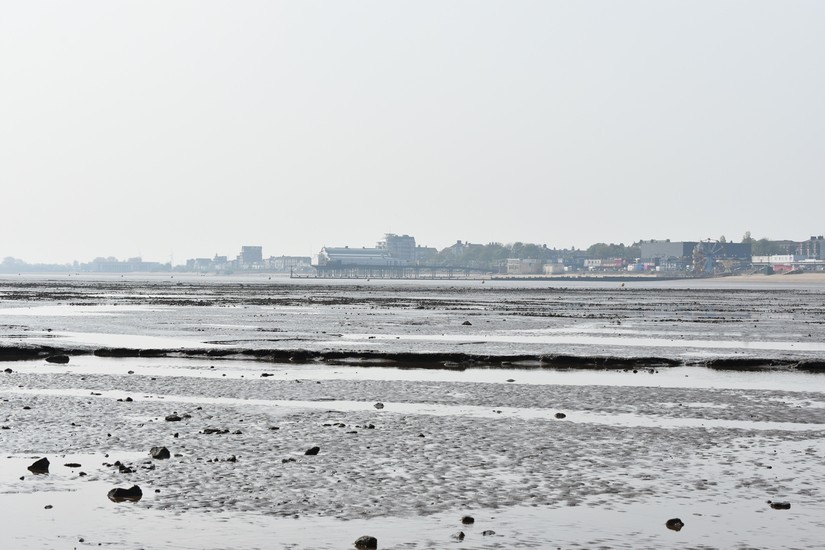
{"x":415,"y":360}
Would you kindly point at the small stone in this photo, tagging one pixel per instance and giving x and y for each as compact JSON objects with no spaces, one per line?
{"x":8,"y":371}
{"x":467,"y":323}
{"x":72,"y":465}
{"x":159,"y":453}
{"x":48,"y":507}
{"x":40,"y":466}
{"x":128,"y":399}
{"x":674,"y":524}
{"x":510,"y":380}
{"x":60,"y":359}
{"x":560,"y":415}
{"x":468,"y":520}
{"x":459,"y":535}
{"x":780,"y":505}
{"x":313,"y":451}
{"x":133,"y":494}
{"x":366,"y":543}
{"x":173,"y":418}
{"x":379,"y":405}
{"x":487,"y":533}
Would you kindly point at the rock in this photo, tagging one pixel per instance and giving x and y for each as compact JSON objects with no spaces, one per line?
{"x":218,"y":431}
{"x":780,"y":505}
{"x":366,"y":543}
{"x":61,"y":359}
{"x":674,"y":524}
{"x":459,"y":535}
{"x":266,"y":374}
{"x":560,"y":415}
{"x":159,"y":453}
{"x":8,"y":371}
{"x":173,"y":418}
{"x":379,"y":405}
{"x":133,"y":494}
{"x":467,"y":323}
{"x":510,"y":380}
{"x":468,"y":520}
{"x":313,"y":451}
{"x":72,"y":465}
{"x":487,"y":532}
{"x":48,"y":507}
{"x":40,"y":466}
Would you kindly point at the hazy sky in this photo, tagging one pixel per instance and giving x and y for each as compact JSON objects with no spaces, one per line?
{"x":193,"y":127}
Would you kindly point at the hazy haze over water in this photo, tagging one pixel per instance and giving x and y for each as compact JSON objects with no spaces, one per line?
{"x":190,"y":128}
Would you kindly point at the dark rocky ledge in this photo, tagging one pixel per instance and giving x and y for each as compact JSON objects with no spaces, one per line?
{"x":456,"y":361}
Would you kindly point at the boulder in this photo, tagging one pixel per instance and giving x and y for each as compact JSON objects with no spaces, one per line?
{"x":218,"y":431}
{"x":560,"y":415}
{"x":780,"y":505}
{"x":40,"y":466}
{"x":487,"y":532}
{"x":459,"y":535}
{"x":159,"y":453}
{"x":133,"y":494}
{"x":366,"y":543}
{"x":467,"y":323}
{"x":313,"y":451}
{"x":379,"y":405}
{"x":468,"y":520}
{"x":61,"y":359}
{"x":173,"y":418}
{"x":674,"y":524}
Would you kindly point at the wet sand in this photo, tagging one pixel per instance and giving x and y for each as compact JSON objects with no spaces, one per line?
{"x":633,"y":450}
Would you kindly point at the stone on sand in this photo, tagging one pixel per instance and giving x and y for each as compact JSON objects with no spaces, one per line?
{"x":40,"y":466}
{"x":366,"y":543}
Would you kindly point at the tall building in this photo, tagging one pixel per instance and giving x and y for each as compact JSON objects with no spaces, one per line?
{"x":251,"y":255}
{"x":400,"y":247}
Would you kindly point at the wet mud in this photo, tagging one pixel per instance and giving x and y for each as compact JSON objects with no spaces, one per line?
{"x":478,"y":432}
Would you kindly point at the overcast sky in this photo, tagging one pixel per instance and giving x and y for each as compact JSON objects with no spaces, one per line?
{"x":189,"y":128}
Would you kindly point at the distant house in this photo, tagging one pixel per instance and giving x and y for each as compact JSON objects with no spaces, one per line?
{"x":516,"y":266}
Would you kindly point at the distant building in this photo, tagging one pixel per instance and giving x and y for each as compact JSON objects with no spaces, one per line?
{"x":812,"y":249}
{"x":516,"y":266}
{"x":425,"y":254}
{"x":400,"y":247}
{"x":346,"y":257}
{"x":656,"y":251}
{"x":393,"y":251}
{"x":666,"y":250}
{"x":285,"y":264}
{"x":251,"y":255}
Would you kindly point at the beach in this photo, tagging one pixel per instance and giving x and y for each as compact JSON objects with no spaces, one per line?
{"x":571,"y":417}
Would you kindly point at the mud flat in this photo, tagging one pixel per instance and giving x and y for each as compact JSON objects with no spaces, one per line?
{"x":544,"y":457}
